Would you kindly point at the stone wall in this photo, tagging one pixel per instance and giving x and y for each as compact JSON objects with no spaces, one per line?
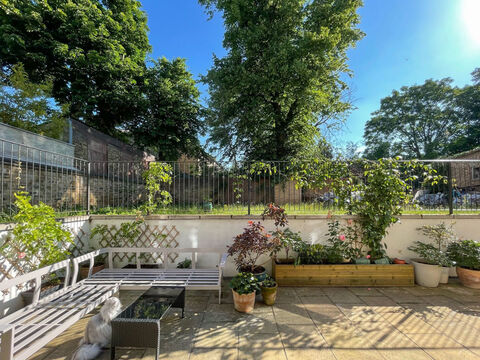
{"x":65,"y":188}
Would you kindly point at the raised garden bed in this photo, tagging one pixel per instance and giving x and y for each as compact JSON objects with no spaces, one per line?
{"x":344,"y":275}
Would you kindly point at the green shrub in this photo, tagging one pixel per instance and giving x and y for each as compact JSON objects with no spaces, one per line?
{"x":465,"y":253}
{"x":37,"y":240}
{"x":269,"y":282}
{"x":431,"y":254}
{"x":312,"y":254}
{"x":244,"y":283}
{"x":185,"y":264}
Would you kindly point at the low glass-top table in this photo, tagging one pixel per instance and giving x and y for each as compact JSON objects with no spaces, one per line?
{"x":139,"y":324}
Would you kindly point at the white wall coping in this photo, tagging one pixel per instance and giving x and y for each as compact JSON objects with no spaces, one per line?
{"x":259,"y":217}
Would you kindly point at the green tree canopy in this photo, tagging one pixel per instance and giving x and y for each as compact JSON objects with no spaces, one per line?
{"x":468,"y":102}
{"x":29,"y":106}
{"x":171,"y":116}
{"x":419,"y":121}
{"x":282,"y":76}
{"x":92,"y":50}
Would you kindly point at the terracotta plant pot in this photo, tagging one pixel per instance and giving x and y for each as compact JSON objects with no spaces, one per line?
{"x":269,"y":294}
{"x":244,"y":303}
{"x":425,"y":274}
{"x":399,"y":261}
{"x":96,"y":268}
{"x":469,"y":278}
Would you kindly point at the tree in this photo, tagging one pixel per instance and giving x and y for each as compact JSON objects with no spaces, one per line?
{"x":282,"y":75}
{"x":92,"y":50}
{"x":171,"y":116}
{"x":419,"y":121}
{"x":29,"y":106}
{"x":468,"y":102}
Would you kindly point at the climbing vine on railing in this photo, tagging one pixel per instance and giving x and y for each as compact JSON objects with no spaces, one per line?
{"x":375,"y":192}
{"x":156,"y":177}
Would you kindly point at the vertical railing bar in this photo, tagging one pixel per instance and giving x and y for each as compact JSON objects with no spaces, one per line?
{"x":249,"y":188}
{"x":88,"y":186}
{"x":45,"y":180}
{"x":450,"y":189}
{"x":51,"y":180}
{"x":3,"y":164}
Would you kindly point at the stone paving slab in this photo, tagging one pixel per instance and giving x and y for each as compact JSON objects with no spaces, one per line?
{"x":414,"y":323}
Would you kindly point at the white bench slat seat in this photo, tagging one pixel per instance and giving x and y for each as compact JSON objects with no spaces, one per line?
{"x":27,"y":330}
{"x":191,"y":279}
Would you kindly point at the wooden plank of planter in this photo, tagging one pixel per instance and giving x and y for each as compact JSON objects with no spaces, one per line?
{"x":344,"y":275}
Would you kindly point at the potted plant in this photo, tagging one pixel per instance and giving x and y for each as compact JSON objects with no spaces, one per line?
{"x":441,"y":235}
{"x":249,"y":246}
{"x":37,"y":240}
{"x":466,"y":255}
{"x":244,"y":286}
{"x":207,"y":204}
{"x":286,"y":239}
{"x":269,"y":290}
{"x":98,"y":265}
{"x":428,"y":269}
{"x":185,"y":264}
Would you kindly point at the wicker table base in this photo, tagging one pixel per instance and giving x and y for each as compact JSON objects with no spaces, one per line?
{"x":139,"y":324}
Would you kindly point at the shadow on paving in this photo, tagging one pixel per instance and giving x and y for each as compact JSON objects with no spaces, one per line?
{"x":312,"y":323}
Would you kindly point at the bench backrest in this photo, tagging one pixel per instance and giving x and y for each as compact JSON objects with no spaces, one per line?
{"x":36,"y":276}
{"x":138,"y":251}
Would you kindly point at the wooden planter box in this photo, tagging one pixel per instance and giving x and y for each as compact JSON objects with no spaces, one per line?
{"x":344,"y":275}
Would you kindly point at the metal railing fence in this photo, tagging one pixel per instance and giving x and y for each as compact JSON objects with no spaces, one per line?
{"x":75,"y":186}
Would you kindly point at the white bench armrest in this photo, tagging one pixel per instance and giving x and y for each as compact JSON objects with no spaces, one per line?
{"x":223,"y":260}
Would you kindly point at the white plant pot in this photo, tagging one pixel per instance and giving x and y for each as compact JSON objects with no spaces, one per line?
{"x":453,"y":271}
{"x":444,"y":276}
{"x":427,"y":275}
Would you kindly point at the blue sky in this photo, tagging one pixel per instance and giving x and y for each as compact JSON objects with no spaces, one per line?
{"x":406,"y":42}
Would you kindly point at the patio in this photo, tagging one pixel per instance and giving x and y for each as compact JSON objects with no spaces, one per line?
{"x":313,"y":323}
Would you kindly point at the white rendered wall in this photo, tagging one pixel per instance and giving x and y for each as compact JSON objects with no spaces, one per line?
{"x":219,"y":231}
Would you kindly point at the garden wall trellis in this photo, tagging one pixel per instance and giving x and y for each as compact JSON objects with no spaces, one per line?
{"x":150,"y":236}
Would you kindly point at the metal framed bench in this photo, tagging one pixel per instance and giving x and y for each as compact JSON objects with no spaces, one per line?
{"x":27,"y":330}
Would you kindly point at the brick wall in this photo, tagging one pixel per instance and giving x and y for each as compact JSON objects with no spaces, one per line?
{"x":463,"y":172}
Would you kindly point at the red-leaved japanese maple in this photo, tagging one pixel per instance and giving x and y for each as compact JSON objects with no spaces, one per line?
{"x":249,"y":246}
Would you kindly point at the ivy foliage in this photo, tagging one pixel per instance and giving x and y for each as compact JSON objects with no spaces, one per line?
{"x":37,"y":239}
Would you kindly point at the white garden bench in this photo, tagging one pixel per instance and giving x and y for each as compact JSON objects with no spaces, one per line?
{"x":27,"y":330}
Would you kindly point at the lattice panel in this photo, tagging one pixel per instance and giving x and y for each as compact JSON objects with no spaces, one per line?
{"x":153,"y":236}
{"x":80,"y":243}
